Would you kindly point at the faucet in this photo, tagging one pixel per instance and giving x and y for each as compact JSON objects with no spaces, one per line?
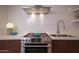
{"x":58,"y":31}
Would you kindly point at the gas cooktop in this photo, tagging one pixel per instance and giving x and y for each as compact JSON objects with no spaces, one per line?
{"x":36,"y":37}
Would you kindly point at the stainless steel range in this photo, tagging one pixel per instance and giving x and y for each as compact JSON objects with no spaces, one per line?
{"x":36,"y":43}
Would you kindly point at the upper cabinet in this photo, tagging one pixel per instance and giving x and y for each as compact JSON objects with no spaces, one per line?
{"x":76,"y":15}
{"x":75,"y":21}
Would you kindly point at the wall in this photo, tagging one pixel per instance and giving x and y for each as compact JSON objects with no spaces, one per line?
{"x":25,"y":23}
{"x":3,"y":19}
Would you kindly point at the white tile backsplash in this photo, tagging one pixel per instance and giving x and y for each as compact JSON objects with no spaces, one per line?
{"x":48,"y":24}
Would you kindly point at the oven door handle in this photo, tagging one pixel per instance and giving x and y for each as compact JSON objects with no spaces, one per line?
{"x":36,"y":46}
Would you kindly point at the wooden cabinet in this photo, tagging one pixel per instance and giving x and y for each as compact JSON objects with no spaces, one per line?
{"x":65,"y":46}
{"x":10,"y":46}
{"x":59,"y":46}
{"x":73,"y":46}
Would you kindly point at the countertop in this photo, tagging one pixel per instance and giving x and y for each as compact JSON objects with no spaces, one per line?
{"x":53,"y":38}
{"x":64,"y":38}
{"x":10,"y":37}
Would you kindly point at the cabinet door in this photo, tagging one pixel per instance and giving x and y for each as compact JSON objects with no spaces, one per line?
{"x":3,"y":46}
{"x":73,"y":46}
{"x":59,"y":46}
{"x":10,"y":46}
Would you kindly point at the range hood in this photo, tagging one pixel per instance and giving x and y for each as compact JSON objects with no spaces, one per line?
{"x":37,"y":9}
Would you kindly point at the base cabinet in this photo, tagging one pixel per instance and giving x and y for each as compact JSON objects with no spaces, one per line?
{"x":65,"y":46}
{"x":10,"y":46}
{"x":59,"y":46}
{"x":73,"y":46}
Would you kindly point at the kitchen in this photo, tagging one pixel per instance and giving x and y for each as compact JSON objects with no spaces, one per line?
{"x":63,"y":35}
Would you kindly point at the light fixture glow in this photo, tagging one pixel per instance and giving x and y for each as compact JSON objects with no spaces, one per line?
{"x":33,"y":15}
{"x":9,"y":25}
{"x":41,"y":15}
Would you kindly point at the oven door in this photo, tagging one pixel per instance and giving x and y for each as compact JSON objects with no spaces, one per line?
{"x":35,"y":48}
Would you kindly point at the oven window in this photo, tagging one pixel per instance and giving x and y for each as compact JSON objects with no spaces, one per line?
{"x":36,"y":50}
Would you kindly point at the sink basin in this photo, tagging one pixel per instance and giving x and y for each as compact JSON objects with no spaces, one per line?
{"x":61,"y":35}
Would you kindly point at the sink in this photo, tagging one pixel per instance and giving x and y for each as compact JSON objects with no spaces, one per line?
{"x":61,"y":35}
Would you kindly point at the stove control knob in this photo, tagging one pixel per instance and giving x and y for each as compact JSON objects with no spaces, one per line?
{"x":23,"y":39}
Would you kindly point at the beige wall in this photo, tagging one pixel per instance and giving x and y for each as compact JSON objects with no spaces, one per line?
{"x":25,"y":23}
{"x":3,"y":19}
{"x":48,"y":24}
